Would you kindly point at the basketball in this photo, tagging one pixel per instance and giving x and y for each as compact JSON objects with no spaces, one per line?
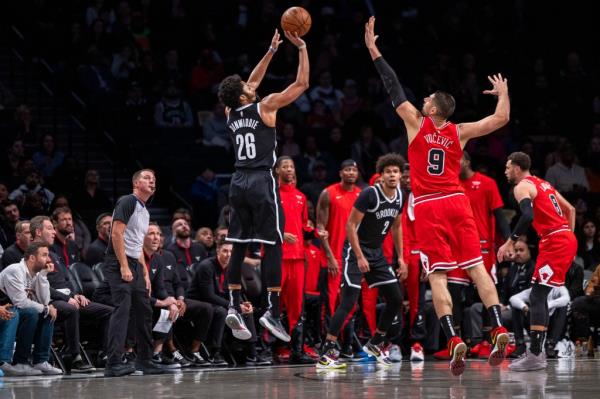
{"x":296,"y":19}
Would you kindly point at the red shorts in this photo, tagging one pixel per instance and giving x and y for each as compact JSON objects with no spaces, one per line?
{"x":459,"y":276}
{"x":557,"y":251}
{"x":446,"y":232}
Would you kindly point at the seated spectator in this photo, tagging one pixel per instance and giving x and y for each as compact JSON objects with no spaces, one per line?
{"x":309,"y":159}
{"x":3,"y":192}
{"x":9,"y":322}
{"x":172,"y":110}
{"x":558,"y":299}
{"x":82,"y":235}
{"x":97,"y":249}
{"x":48,"y":158}
{"x":205,"y":76}
{"x":15,"y":252}
{"x":321,"y":116}
{"x":186,"y":251}
{"x":366,"y":150}
{"x":70,"y":305}
{"x":168,"y":293}
{"x":91,"y":199}
{"x":33,"y":184}
{"x":209,"y":284}
{"x":12,"y":161}
{"x":204,"y":193}
{"x":25,"y":286}
{"x":8,"y":221}
{"x":593,"y":165}
{"x":586,"y":310}
{"x":351,"y":102}
{"x":64,"y":244}
{"x":205,"y":237}
{"x":589,"y":244}
{"x":288,"y":146}
{"x":214,"y":129}
{"x":220,"y":233}
{"x":24,"y":126}
{"x":313,"y":188}
{"x":123,"y":64}
{"x":565,"y":175}
{"x":325,"y":92}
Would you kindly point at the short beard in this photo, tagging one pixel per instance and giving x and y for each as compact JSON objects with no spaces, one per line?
{"x":183,"y":234}
{"x":65,"y":232}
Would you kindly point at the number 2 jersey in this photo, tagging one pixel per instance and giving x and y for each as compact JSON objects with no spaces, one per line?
{"x":254,"y":142}
{"x":380,"y":212}
{"x":434,"y":156}
{"x":548,"y":217}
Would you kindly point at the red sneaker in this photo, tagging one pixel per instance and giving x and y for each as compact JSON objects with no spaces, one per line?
{"x":282,"y":353}
{"x":441,"y":355}
{"x":485,"y":349}
{"x":500,"y":340}
{"x":474,"y":350}
{"x":457,"y":350}
{"x":310,"y":352}
{"x":510,"y":348}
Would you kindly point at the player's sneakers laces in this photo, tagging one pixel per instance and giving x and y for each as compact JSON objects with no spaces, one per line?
{"x":529,"y":362}
{"x":416,"y":353}
{"x":500,"y":340}
{"x":377,"y":352}
{"x":457,"y":350}
{"x":329,"y":361}
{"x":274,"y":326}
{"x":395,"y":354}
{"x":235,"y":321}
{"x":485,"y":350}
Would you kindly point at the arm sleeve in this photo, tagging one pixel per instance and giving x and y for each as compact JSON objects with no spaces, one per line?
{"x":124,"y":208}
{"x":366,"y":200}
{"x":519,"y":301}
{"x":205,"y":283}
{"x":525,"y":220}
{"x":501,"y":223}
{"x":390,"y":82}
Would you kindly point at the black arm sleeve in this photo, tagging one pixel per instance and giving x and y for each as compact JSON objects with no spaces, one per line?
{"x":525,"y":220}
{"x":390,"y":82}
{"x":501,"y":223}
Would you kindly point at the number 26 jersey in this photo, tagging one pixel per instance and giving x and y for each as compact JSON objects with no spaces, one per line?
{"x":434,"y":156}
{"x":254,"y":143}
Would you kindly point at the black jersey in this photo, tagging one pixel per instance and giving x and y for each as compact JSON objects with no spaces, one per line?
{"x":380,"y":214}
{"x":254,"y":142}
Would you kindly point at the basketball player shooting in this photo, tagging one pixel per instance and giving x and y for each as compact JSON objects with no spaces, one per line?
{"x":444,"y":223}
{"x":256,"y":213}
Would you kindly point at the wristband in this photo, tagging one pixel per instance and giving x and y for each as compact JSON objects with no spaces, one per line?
{"x":301,"y":47}
{"x":272,"y":49}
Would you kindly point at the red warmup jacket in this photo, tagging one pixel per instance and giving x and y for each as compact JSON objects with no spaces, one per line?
{"x":296,"y":219}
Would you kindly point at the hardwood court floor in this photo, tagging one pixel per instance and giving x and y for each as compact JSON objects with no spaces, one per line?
{"x":565,"y":378}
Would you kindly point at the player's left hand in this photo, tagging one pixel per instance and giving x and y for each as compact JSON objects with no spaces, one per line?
{"x":290,"y":238}
{"x":295,"y":39}
{"x":506,"y":251}
{"x":499,"y":85}
{"x":370,"y":36}
{"x":402,"y":271}
{"x":275,"y":41}
{"x":363,"y":265}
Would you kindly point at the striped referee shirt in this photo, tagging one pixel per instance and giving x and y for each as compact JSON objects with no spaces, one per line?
{"x":131,"y":211}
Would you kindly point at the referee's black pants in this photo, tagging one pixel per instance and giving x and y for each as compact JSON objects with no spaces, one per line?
{"x":128,"y":297}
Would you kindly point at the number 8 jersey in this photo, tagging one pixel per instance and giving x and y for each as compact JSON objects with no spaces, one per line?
{"x":548,"y":217}
{"x":254,"y":142}
{"x":434,"y":155}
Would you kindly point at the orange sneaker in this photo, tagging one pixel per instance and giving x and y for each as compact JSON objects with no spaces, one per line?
{"x":485,"y":349}
{"x":457,"y":350}
{"x":500,"y":340}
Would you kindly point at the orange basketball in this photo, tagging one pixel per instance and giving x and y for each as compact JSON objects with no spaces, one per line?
{"x":296,"y":19}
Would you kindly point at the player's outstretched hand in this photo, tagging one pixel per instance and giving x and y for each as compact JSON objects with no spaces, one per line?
{"x":506,"y":251}
{"x":370,"y":36}
{"x":276,"y":41}
{"x":499,"y":85}
{"x":295,"y":39}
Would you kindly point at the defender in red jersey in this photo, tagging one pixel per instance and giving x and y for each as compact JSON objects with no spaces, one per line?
{"x":553,"y":218}
{"x":444,"y":223}
{"x":295,"y":211}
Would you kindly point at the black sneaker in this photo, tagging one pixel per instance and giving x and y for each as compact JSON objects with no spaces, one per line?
{"x":119,"y":370}
{"x":258,"y":360}
{"x":79,"y":366}
{"x":164,"y":362}
{"x":129,"y":357}
{"x":301,"y":358}
{"x":149,"y":368}
{"x":274,"y":326}
{"x":199,"y":361}
{"x":551,"y":352}
{"x":217,"y":360}
{"x":177,"y":357}
{"x":520,"y":351}
{"x":346,"y":354}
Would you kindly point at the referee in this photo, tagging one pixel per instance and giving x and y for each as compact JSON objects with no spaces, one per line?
{"x":128,"y":279}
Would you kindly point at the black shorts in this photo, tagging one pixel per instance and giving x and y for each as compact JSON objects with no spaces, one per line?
{"x":380,"y":272}
{"x":256,"y":212}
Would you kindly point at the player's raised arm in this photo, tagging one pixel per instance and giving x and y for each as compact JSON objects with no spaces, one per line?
{"x":493,"y":122}
{"x":258,"y":73}
{"x":273,"y":102}
{"x":409,"y":114}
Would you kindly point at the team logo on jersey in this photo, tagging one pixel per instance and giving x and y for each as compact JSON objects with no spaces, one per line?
{"x":197,"y":259}
{"x":168,"y":267}
{"x":545,"y":274}
{"x":475,"y":185}
{"x":154,"y":270}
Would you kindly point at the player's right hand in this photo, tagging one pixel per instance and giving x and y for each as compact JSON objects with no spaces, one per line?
{"x":332,"y":267}
{"x":370,"y":36}
{"x":295,"y":39}
{"x":363,"y":265}
{"x":126,"y":274}
{"x":499,"y":85}
{"x":290,"y":238}
{"x":275,"y":41}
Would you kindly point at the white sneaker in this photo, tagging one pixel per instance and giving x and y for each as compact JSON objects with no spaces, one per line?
{"x":8,"y":369}
{"x":47,"y":368}
{"x":24,"y":369}
{"x":395,"y":354}
{"x":416,"y":353}
{"x":238,"y":328}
